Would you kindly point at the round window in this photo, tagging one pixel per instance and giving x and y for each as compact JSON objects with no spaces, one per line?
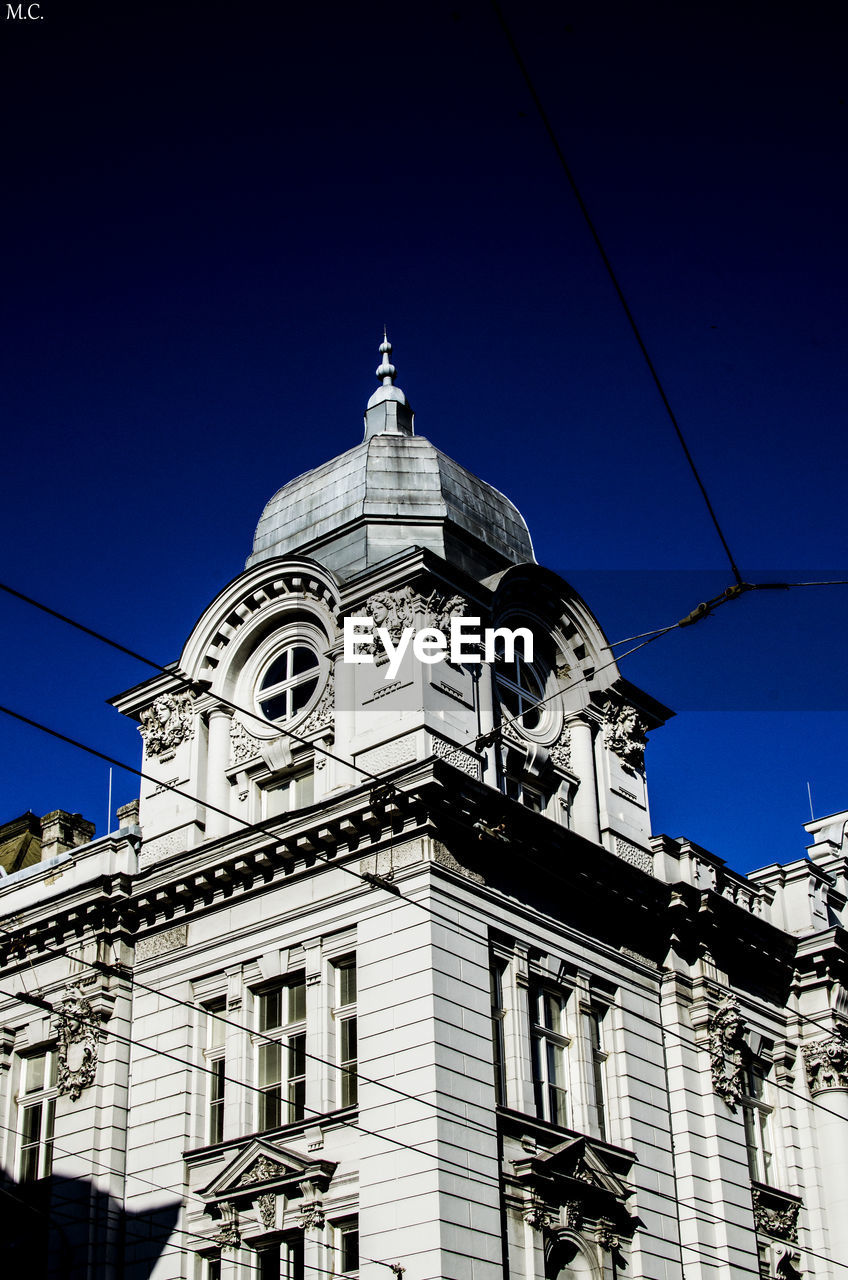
{"x":519,"y":690}
{"x":288,"y":683}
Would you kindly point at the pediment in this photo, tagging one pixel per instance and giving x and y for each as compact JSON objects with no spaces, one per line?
{"x":575,"y":1161}
{"x":264,"y":1167}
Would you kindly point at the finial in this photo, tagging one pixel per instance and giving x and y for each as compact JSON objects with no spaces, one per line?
{"x":386,"y":370}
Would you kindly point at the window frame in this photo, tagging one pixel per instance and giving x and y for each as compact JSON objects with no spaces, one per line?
{"x":550,"y":1045}
{"x":597,"y":1101}
{"x":288,"y":1091}
{"x":344,"y":1230}
{"x":757,"y":1113}
{"x":41,"y":1102}
{"x":215,"y":1061}
{"x":344,"y":1013}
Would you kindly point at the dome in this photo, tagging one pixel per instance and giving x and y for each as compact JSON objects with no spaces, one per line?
{"x":392,"y":492}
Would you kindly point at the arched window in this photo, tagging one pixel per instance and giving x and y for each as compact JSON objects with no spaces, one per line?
{"x":288,"y":683}
{"x":519,"y":689}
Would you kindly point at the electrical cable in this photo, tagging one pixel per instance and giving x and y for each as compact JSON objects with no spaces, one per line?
{"x":566,"y":168}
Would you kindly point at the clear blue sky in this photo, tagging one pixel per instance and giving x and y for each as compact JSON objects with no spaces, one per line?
{"x":211,"y":211}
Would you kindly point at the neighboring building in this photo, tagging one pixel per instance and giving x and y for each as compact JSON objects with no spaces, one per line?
{"x":414,"y":991}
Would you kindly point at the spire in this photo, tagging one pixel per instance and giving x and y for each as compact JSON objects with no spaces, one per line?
{"x":388,"y":411}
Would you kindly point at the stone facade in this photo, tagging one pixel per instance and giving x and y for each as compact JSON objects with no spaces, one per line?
{"x":368,"y":968}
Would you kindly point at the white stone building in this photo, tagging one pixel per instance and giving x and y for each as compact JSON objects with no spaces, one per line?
{"x":389,"y":976}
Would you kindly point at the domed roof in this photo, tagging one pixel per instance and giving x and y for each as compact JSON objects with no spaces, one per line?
{"x":392,"y":492}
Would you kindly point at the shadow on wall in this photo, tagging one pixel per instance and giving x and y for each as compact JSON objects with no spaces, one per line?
{"x":67,"y":1229}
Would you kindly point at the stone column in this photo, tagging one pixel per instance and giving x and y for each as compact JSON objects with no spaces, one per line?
{"x":584,"y":811}
{"x":217,"y":759}
{"x":827,"y":1072}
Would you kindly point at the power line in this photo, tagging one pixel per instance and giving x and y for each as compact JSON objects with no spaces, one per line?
{"x":566,"y":168}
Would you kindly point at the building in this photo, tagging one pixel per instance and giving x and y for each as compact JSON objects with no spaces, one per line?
{"x":386,"y":974}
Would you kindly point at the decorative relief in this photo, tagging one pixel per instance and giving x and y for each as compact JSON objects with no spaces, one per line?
{"x":323,"y":713}
{"x":390,"y":756}
{"x":457,"y":756}
{"x":624,"y":731}
{"x":538,"y":1216}
{"x":266,"y":1207}
{"x":634,"y":855}
{"x":397,"y":610}
{"x":243,"y":745}
{"x":606,"y":1235}
{"x":167,"y":723}
{"x":776,"y":1217}
{"x":160,"y":943}
{"x":572,"y":1215}
{"x":263,"y":1169}
{"x":727,"y":1048}
{"x":229,"y":1236}
{"x":163,"y":847}
{"x":827,"y":1062}
{"x":77,"y":1035}
{"x":311,"y":1216}
{"x":560,"y":752}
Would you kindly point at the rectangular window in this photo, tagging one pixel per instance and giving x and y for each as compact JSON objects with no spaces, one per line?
{"x":549,"y":1044}
{"x":757,"y":1113}
{"x":496,"y":973}
{"x":280,"y":1261}
{"x":348,"y":1240}
{"x":36,"y":1110}
{"x":597,"y":1085}
{"x":297,"y":792}
{"x":215,"y":1060}
{"x":281,"y":1053}
{"x":345,"y":1015}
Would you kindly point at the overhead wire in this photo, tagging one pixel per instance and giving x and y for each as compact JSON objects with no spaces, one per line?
{"x":566,"y":168}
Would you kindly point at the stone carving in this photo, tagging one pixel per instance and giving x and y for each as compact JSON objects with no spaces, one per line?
{"x":323,"y":713}
{"x":396,"y":610}
{"x":77,"y":1035}
{"x":827,"y":1062}
{"x":266,"y":1206}
{"x":624,"y":732}
{"x":167,"y":723}
{"x":311,"y":1216}
{"x":773,"y":1218}
{"x":727,"y":1048}
{"x":390,"y":756}
{"x":163,"y":847}
{"x":560,"y":752}
{"x":457,"y":756}
{"x":606,"y":1235}
{"x":538,"y":1216}
{"x":635,"y":856}
{"x":262,"y":1170}
{"x":160,"y":943}
{"x":229,"y":1236}
{"x":572,"y":1215}
{"x":393,"y":610}
{"x":243,"y":745}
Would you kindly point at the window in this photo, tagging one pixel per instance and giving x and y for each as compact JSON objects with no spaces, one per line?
{"x":295,"y":792}
{"x":288,"y":684}
{"x":36,"y":1109}
{"x":757,"y":1113}
{"x":348,"y":1245}
{"x":214,"y":1054}
{"x":496,"y":974}
{"x":547,"y":1026}
{"x":524,"y":794}
{"x":593,"y":1018}
{"x":281,"y":1053}
{"x":212,"y":1267}
{"x":345,"y":1013}
{"x":280,"y":1261}
{"x":518,"y":688}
